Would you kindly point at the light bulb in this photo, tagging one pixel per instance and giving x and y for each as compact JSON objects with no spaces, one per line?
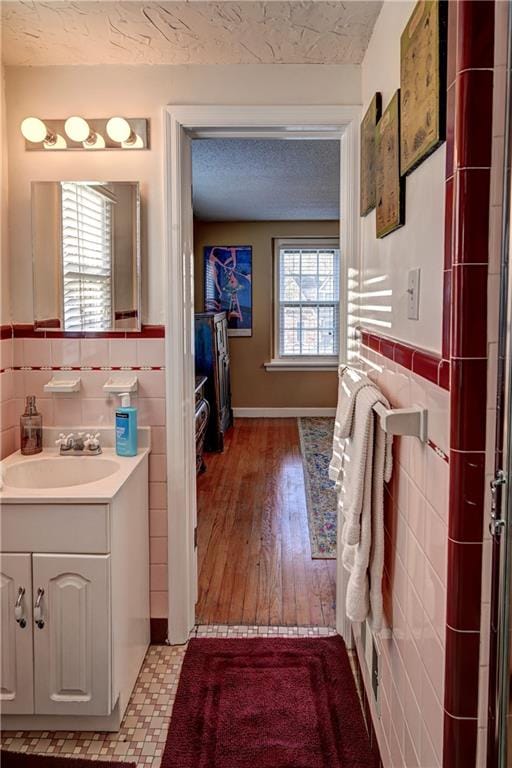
{"x":77,"y":129}
{"x":33,"y":129}
{"x":119,"y":130}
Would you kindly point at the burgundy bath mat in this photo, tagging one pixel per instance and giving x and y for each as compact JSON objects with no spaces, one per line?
{"x":267,"y":703}
{"x":24,"y":760}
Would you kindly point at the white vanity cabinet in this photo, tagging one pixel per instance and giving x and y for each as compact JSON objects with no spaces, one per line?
{"x":60,"y":661}
{"x":74,"y":608}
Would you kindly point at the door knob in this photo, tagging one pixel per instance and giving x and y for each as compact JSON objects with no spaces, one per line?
{"x":38,"y":609}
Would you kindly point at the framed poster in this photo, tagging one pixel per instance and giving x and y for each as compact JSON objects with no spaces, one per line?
{"x":423,"y":83}
{"x":228,"y":285}
{"x":390,"y":186}
{"x":370,"y":120}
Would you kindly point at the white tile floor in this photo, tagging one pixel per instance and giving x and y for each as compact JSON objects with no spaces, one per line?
{"x":143,"y":732}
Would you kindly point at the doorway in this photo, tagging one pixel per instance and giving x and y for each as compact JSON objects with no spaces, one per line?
{"x":184,"y":124}
{"x":267,"y":303}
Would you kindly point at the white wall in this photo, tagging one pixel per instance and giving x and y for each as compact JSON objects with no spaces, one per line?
{"x":5,"y":308}
{"x":57,"y":92}
{"x":420,"y":243}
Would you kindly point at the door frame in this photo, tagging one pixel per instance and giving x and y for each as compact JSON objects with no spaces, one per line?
{"x":180,"y":124}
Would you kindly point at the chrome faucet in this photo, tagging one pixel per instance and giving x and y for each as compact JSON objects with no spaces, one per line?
{"x":80,"y":445}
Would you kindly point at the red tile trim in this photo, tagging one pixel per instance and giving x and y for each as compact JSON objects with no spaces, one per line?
{"x":464,"y":585}
{"x":468,"y":158}
{"x":462,"y":652}
{"x":445,"y":374}
{"x":442,"y":455}
{"x":468,"y":400}
{"x":459,"y":748}
{"x":473,"y":138}
{"x":5,"y":332}
{"x":467,"y":489}
{"x":158,"y":631}
{"x":469,"y":291}
{"x":475,"y":49}
{"x":24,"y":331}
{"x":27,"y":331}
{"x":421,"y":362}
{"x":426,"y":365}
{"x":471,"y":216}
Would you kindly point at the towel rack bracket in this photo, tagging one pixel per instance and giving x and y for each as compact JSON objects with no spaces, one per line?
{"x":404,"y":421}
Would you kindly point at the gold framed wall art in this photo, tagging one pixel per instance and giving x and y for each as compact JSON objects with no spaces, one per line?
{"x":370,"y":120}
{"x":390,"y":186}
{"x":423,"y":83}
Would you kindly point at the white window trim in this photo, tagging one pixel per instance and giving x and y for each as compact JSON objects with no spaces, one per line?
{"x":299,"y":362}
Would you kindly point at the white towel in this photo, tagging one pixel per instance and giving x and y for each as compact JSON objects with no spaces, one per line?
{"x":349,"y":383}
{"x":365,"y":464}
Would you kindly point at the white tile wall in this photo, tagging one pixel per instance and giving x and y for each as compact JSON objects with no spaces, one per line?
{"x":410,"y":727}
{"x":92,"y":407}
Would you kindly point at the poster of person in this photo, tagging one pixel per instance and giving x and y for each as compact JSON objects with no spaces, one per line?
{"x":228,"y":285}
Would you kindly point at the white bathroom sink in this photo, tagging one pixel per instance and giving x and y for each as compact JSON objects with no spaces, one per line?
{"x":58,"y":471}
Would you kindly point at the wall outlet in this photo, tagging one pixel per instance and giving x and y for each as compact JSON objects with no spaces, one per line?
{"x":413,"y":294}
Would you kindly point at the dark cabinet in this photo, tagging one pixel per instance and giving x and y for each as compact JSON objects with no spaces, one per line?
{"x":202,"y":415}
{"x":212,"y":361}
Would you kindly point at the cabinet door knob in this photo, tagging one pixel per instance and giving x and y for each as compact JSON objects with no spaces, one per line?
{"x":18,"y":609}
{"x":38,"y":609}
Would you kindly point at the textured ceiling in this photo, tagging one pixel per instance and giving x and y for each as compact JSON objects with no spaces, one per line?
{"x":132,"y":32}
{"x":260,"y":180}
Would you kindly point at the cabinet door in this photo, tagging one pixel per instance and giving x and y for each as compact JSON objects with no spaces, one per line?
{"x":72,"y":634}
{"x":17,"y":671}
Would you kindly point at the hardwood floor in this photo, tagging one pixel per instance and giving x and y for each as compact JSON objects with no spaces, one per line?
{"x":254,"y":555}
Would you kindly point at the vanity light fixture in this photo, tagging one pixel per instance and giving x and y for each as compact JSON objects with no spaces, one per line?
{"x":91,"y":134}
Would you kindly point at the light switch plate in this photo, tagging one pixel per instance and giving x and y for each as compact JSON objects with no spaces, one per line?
{"x":413,"y":294}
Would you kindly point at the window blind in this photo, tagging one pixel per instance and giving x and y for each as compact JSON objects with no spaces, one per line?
{"x":309,"y":301}
{"x":86,"y":258}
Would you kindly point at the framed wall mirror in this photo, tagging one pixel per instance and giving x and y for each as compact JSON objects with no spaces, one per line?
{"x":86,"y":255}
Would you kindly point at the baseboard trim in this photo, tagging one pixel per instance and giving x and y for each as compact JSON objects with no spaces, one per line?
{"x":158,"y":631}
{"x":277,"y":413}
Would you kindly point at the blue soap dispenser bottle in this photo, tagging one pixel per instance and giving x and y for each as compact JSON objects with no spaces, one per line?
{"x":126,"y":427}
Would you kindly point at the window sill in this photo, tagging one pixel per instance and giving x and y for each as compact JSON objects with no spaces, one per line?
{"x":302,"y":365}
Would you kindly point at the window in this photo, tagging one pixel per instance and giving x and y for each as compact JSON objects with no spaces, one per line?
{"x":86,"y":257}
{"x":307,"y":277}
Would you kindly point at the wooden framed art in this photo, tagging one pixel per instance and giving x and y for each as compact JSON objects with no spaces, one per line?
{"x":370,"y":120}
{"x":423,"y":83}
{"x":389,"y":185}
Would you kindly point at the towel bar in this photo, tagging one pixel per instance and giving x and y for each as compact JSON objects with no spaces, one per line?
{"x":403,"y":421}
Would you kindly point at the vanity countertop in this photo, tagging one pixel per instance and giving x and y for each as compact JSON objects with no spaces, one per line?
{"x":51,"y":465}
